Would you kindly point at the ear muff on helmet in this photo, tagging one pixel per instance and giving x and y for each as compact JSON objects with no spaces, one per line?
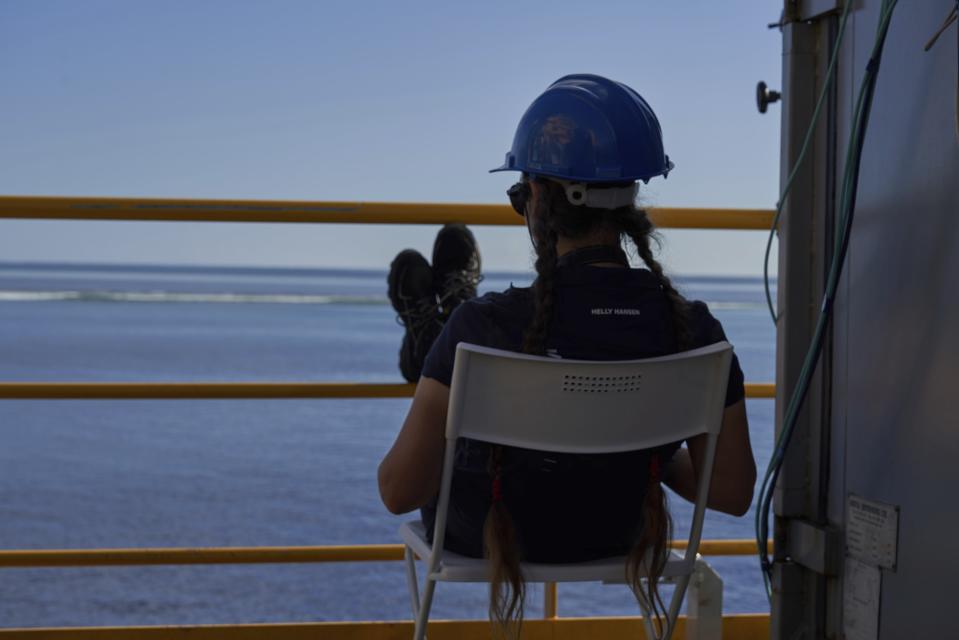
{"x":589,"y":129}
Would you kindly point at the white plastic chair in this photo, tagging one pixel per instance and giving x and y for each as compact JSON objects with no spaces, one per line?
{"x":573,"y":406}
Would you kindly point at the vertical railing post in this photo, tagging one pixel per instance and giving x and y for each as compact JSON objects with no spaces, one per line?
{"x":550,"y":610}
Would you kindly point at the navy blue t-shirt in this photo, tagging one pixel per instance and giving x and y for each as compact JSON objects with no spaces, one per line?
{"x":594,"y":501}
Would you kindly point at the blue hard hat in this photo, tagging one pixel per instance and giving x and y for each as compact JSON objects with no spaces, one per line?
{"x":591,"y":129}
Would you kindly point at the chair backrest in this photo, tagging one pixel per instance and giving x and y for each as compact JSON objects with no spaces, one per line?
{"x":580,"y":406}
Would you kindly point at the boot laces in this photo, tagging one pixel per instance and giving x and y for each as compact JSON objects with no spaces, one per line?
{"x":417,"y":315}
{"x":460,"y":285}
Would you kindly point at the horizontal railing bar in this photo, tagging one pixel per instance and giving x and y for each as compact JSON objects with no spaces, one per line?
{"x":24,"y":558}
{"x":233,"y":390}
{"x":199,"y":390}
{"x":741,"y":626}
{"x":224,"y":555}
{"x":292,"y":211}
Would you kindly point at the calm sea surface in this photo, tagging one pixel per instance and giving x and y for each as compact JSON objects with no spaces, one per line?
{"x":83,"y":474}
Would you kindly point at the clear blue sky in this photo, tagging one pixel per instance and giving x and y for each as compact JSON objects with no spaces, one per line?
{"x":394,"y":101}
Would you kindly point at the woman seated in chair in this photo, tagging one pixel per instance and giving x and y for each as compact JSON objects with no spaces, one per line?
{"x":581,"y":148}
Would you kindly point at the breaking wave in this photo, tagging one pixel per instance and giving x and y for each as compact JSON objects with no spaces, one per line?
{"x":169,"y":296}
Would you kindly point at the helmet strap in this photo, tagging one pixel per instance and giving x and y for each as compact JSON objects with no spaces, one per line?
{"x":580,"y":194}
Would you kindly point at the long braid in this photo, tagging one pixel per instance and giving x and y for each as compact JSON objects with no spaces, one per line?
{"x":507,"y":585}
{"x":534,"y":339}
{"x":640,"y":230}
{"x":651,"y":549}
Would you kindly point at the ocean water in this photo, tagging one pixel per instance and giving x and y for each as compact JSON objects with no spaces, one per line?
{"x":86,"y":474}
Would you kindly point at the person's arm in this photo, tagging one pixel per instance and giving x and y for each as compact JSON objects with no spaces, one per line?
{"x":409,"y":475}
{"x":734,"y":469}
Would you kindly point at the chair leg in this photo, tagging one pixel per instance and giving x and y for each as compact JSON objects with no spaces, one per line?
{"x":704,"y":609}
{"x":424,"y":614}
{"x":648,"y":625}
{"x":667,"y":623}
{"x":675,"y":603}
{"x":412,"y":582}
{"x":646,"y":610}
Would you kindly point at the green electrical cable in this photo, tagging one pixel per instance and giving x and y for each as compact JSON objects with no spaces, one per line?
{"x":830,"y":73}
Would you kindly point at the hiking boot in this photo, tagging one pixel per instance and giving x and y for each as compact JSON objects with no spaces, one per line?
{"x":413,"y":296}
{"x":456,"y":267}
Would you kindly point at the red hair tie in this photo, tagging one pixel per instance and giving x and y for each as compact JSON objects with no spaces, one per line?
{"x":654,"y":469}
{"x":497,"y":489}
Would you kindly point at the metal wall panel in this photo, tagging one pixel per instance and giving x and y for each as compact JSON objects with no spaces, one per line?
{"x":895,"y":435}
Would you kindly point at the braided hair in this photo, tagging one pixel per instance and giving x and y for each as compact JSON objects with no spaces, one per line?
{"x":555,"y":217}
{"x":544,"y":291}
{"x":640,"y":229}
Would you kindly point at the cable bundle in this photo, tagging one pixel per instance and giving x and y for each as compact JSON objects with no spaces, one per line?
{"x":847,"y":208}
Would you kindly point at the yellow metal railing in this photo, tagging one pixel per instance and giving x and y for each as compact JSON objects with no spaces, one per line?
{"x":33,"y":558}
{"x":46,"y":558}
{"x":264,"y":211}
{"x":743,"y":626}
{"x":283,"y":211}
